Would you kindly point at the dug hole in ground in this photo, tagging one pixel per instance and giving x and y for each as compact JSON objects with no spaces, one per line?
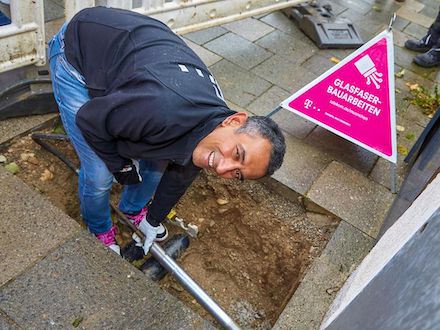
{"x":253,"y":248}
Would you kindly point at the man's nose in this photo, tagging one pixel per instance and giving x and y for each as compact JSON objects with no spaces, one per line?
{"x":227,"y":165}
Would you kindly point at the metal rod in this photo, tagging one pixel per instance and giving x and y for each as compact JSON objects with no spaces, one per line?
{"x":192,"y":287}
{"x":158,"y":253}
{"x":274,"y":111}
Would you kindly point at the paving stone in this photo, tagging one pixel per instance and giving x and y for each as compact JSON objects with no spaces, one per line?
{"x":287,"y":120}
{"x":415,"y":31}
{"x":414,"y":17}
{"x":381,"y":172}
{"x":313,"y":297}
{"x":352,"y":197}
{"x":13,"y":127}
{"x":205,"y":35}
{"x":414,"y":114}
{"x":341,"y":149}
{"x":238,"y":50}
{"x":430,"y":3}
{"x":283,"y":23}
{"x":399,"y":38}
{"x":404,"y":58}
{"x":31,"y":226}
{"x":285,"y":45}
{"x":400,"y":24}
{"x":430,"y":11}
{"x":238,"y":85}
{"x":318,"y":64}
{"x":347,"y":247}
{"x":359,"y":7}
{"x":268,"y":101}
{"x":7,"y":324}
{"x":208,"y":57}
{"x":302,"y":167}
{"x":83,"y":279}
{"x":285,"y":73}
{"x":249,"y":28}
{"x":414,"y":5}
{"x":406,"y":139}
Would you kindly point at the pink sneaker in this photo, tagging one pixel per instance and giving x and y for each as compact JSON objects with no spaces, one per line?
{"x":109,"y":240}
{"x":136,"y":219}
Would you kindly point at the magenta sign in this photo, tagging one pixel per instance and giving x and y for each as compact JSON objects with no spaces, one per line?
{"x":355,"y":99}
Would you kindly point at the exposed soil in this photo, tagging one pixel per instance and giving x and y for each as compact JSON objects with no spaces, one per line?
{"x":253,"y":248}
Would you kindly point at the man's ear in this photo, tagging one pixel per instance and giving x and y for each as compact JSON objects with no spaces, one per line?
{"x":237,"y":119}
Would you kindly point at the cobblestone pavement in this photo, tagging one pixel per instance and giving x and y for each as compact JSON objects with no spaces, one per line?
{"x":259,"y":62}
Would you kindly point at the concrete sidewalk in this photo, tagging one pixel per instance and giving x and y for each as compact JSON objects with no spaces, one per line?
{"x":258,"y":62}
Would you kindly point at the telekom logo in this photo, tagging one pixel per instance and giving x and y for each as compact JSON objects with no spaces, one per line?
{"x":367,"y":68}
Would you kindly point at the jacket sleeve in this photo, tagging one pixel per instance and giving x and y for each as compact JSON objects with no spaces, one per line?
{"x":105,"y":120}
{"x":175,"y":181}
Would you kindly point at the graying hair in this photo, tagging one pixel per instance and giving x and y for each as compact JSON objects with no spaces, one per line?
{"x":268,"y":129}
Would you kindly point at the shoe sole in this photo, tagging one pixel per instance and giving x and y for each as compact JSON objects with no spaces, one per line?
{"x":163,"y":236}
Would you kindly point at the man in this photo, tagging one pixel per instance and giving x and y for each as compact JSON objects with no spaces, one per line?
{"x":140,"y":107}
{"x":429,"y":45}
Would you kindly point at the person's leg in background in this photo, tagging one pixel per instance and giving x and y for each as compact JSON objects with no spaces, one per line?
{"x":429,"y":45}
{"x":95,"y":181}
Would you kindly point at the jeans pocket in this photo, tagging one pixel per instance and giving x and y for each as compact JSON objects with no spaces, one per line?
{"x":70,"y":69}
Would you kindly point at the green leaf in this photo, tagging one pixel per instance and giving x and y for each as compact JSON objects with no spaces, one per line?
{"x":12,"y":168}
{"x":77,"y":321}
{"x":400,"y":74}
{"x":410,"y":136}
{"x":59,"y":129}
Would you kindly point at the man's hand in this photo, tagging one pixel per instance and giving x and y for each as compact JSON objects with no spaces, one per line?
{"x":129,"y":174}
{"x":150,"y":234}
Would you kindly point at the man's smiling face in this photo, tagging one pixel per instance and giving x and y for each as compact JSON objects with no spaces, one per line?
{"x":233,"y":155}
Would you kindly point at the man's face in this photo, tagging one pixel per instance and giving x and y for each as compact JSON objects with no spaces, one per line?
{"x":233,"y":155}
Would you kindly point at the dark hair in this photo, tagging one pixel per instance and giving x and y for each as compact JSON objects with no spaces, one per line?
{"x":268,"y":129}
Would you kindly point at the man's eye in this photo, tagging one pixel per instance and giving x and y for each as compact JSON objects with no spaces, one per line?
{"x":237,"y":155}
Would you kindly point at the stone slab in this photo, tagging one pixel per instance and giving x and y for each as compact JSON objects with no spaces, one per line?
{"x":238,"y":50}
{"x":284,"y":72}
{"x":249,"y":28}
{"x":414,"y":17}
{"x":342,"y":150}
{"x":13,"y":127}
{"x":302,"y":165}
{"x":84,"y":280}
{"x":30,"y":227}
{"x":238,"y":85}
{"x":347,"y":247}
{"x":318,"y":64}
{"x":313,"y":297}
{"x":7,"y":324}
{"x":416,"y":31}
{"x":205,"y":35}
{"x":208,"y":57}
{"x":350,"y":195}
{"x":281,"y":22}
{"x":288,"y":46}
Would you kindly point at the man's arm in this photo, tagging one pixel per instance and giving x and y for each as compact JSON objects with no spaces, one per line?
{"x":175,"y":181}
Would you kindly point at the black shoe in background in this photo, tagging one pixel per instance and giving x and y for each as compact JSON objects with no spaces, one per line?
{"x":422,"y":45}
{"x":429,"y":59}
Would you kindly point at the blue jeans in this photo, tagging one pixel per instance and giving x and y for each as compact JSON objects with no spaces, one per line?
{"x":95,"y":180}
